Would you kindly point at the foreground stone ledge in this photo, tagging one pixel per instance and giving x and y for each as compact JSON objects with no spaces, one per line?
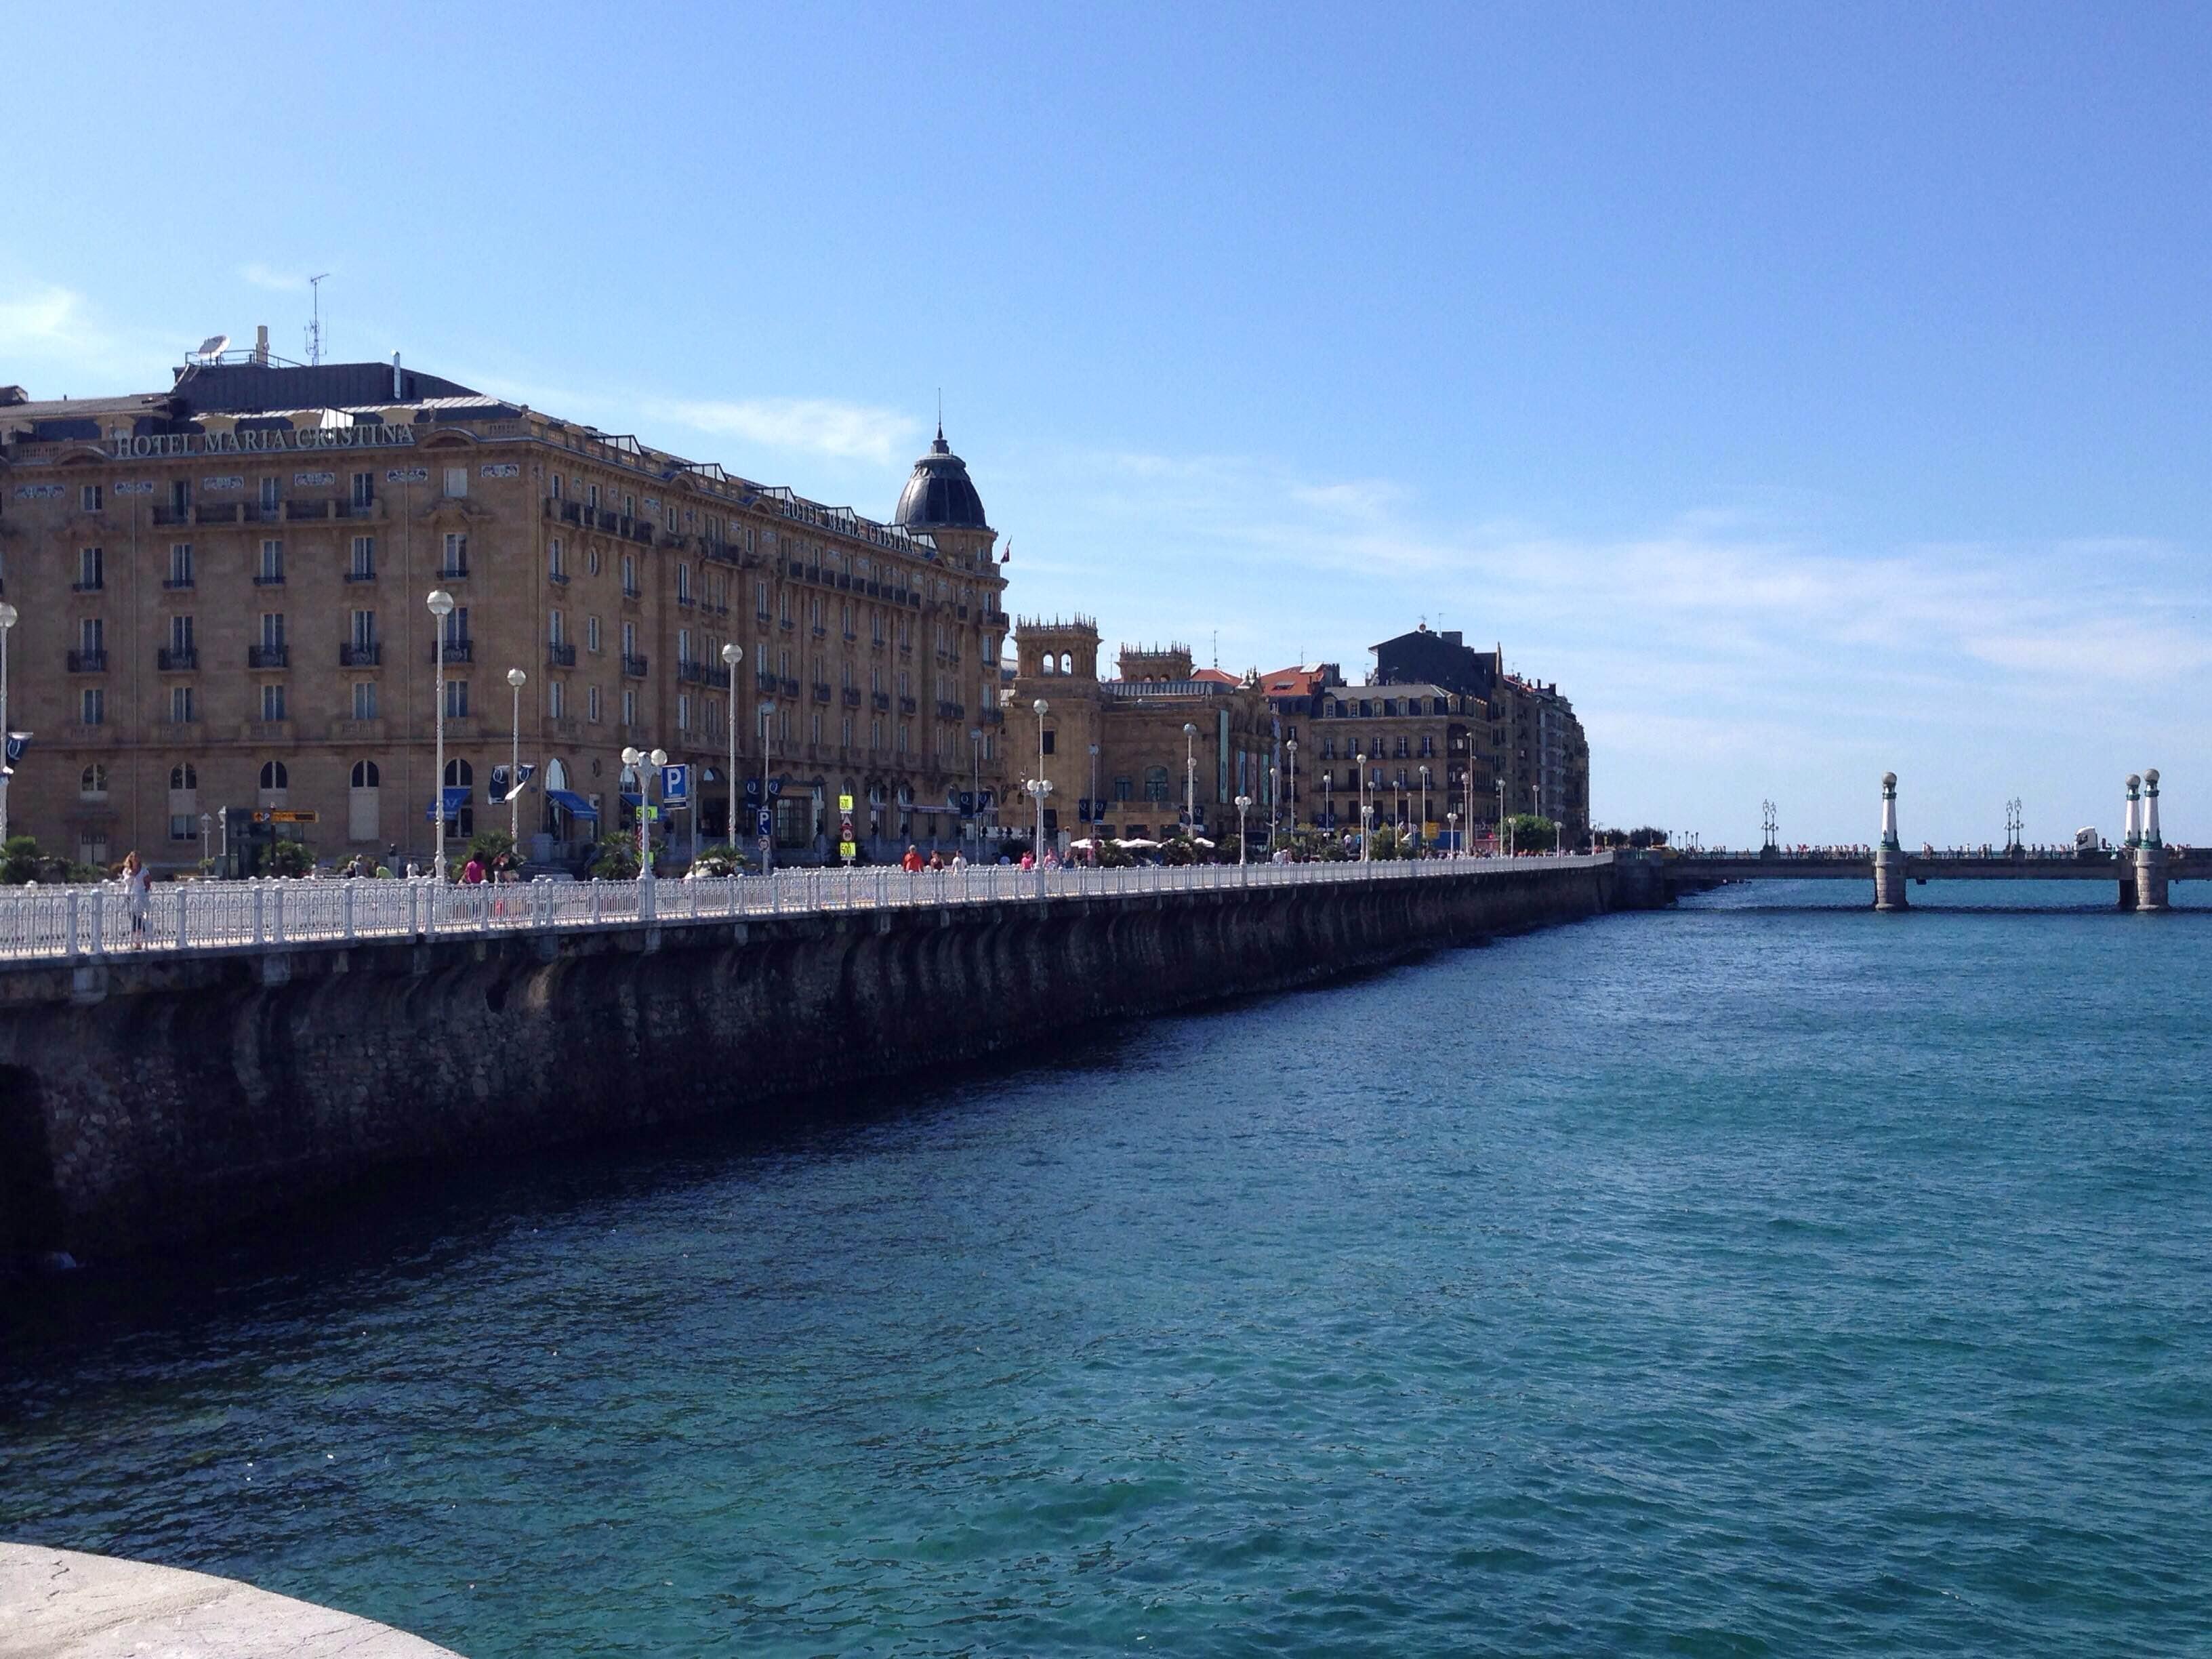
{"x":60,"y":1604}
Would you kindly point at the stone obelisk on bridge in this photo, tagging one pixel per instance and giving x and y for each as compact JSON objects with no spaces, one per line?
{"x":2150,"y":849}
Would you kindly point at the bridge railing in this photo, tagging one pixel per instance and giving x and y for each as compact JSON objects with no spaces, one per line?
{"x":98,"y":920}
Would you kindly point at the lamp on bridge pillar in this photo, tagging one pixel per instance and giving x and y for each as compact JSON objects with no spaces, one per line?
{"x":1889,"y":857}
{"x":2135,"y":812}
{"x":2150,"y":850}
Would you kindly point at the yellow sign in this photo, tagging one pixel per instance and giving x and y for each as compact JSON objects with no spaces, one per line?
{"x":847,"y":849}
{"x":278,"y":815}
{"x":844,"y":803}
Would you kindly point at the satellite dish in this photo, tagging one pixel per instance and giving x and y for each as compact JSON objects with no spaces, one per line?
{"x":214,"y":346}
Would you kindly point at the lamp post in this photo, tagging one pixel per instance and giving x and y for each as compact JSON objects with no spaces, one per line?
{"x":732,"y":655}
{"x":1451,"y":831}
{"x":1500,"y":837}
{"x":441,"y":606}
{"x":1292,"y":745}
{"x":1365,"y":837}
{"x":517,"y":679}
{"x":1097,"y":813}
{"x":8,"y":615}
{"x":768,"y":841}
{"x":975,"y":787}
{"x":1040,"y":708}
{"x":638,"y":759}
{"x":1243,"y":805}
{"x":1275,"y":806}
{"x":1425,"y":805}
{"x":1190,"y":780}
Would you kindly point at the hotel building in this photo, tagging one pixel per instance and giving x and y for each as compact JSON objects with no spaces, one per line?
{"x":221,"y":598}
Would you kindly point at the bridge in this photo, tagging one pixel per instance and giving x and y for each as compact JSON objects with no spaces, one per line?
{"x":2141,"y":869}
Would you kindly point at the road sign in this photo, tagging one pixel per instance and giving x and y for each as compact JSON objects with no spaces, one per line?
{"x":767,"y":823}
{"x":675,"y":785}
{"x":277,"y":815}
{"x":650,"y":814}
{"x":848,"y":849}
{"x":844,"y":803}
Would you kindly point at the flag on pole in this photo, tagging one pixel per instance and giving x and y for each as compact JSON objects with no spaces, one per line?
{"x":17,"y":743}
{"x":502,"y":790}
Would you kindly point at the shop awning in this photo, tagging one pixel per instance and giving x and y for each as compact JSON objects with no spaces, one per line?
{"x":572,"y":803}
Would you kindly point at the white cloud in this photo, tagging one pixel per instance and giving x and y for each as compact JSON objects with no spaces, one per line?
{"x":820,"y":425}
{"x":43,"y":320}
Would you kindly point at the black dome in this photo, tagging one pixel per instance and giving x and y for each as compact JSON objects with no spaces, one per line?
{"x":940,"y":494}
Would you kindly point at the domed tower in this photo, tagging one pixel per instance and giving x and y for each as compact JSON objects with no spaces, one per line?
{"x":940,"y":501}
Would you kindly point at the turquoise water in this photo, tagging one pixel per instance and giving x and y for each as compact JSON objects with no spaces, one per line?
{"x":1745,"y":1278}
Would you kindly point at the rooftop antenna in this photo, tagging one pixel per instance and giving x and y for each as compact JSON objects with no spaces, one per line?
{"x":315,"y":325}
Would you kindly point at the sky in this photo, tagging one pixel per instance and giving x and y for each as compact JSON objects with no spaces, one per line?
{"x":1809,"y":390}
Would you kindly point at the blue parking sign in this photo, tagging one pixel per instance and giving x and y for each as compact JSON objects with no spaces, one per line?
{"x":767,"y":822}
{"x":675,"y":785}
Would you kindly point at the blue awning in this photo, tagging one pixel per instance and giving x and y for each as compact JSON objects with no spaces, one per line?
{"x":457,"y":796}
{"x":572,"y":803}
{"x":628,"y":799}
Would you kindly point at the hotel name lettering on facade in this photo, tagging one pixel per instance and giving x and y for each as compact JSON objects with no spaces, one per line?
{"x":246,"y":443}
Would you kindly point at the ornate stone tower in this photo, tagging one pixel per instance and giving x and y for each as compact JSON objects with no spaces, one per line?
{"x":940,"y":501}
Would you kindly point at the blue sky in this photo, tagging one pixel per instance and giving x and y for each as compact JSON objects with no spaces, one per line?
{"x":1809,"y":389}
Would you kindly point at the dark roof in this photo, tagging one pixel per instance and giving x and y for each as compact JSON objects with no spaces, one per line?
{"x":243,"y":388}
{"x":940,"y":494}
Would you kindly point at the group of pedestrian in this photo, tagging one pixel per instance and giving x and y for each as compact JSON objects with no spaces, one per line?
{"x":913,"y":862}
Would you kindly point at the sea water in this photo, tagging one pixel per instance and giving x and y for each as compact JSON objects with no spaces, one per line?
{"x":1762,"y":1276}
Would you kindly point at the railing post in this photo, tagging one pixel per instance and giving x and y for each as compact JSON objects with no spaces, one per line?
{"x":260,"y":934}
{"x":70,"y":927}
{"x":184,"y":891}
{"x":345,"y":904}
{"x":276,"y":916}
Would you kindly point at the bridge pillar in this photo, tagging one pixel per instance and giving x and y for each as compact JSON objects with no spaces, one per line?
{"x":1889,"y":857}
{"x":1889,"y":881}
{"x":2149,"y":892}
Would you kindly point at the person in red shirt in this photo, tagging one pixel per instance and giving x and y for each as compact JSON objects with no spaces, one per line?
{"x":912,"y":860}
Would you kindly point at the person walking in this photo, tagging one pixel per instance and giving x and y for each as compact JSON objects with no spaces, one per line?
{"x":138,"y":883}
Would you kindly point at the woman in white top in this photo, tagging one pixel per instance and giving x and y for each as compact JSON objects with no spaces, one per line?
{"x":136,"y":882}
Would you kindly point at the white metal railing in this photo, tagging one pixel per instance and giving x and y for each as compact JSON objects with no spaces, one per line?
{"x":80,"y":922}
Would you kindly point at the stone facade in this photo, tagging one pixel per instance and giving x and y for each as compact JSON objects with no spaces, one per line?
{"x":221,"y":592}
{"x":1115,"y":751}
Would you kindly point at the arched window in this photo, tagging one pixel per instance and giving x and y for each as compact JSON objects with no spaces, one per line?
{"x":459,"y":775}
{"x":557,"y":775}
{"x":363,"y":803}
{"x":364,"y":775}
{"x":273,"y":776}
{"x":1045,"y":665}
{"x":184,"y":777}
{"x":1156,"y":783}
{"x":1068,"y":662}
{"x":92,"y":782}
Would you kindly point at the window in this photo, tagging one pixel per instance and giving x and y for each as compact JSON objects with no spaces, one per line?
{"x":556,"y":561}
{"x":556,"y":486}
{"x":556,"y":699}
{"x":1156,"y":783}
{"x":684,"y":712}
{"x":184,"y":777}
{"x":556,"y":628}
{"x":91,"y":570}
{"x":183,"y":705}
{"x":457,"y":627}
{"x":180,"y":826}
{"x":457,"y":554}
{"x":629,"y":506}
{"x":364,"y":559}
{"x":91,"y":639}
{"x":629,"y":708}
{"x":1048,"y":740}
{"x":457,"y":700}
{"x":361,"y":802}
{"x":364,"y":775}
{"x":272,"y":563}
{"x":459,"y":775}
{"x":92,"y":706}
{"x":591,"y":704}
{"x":629,"y":639}
{"x":591,"y":497}
{"x":181,"y":564}
{"x":269,"y":494}
{"x":90,"y":497}
{"x":684,"y":646}
{"x":92,"y":847}
{"x":629,"y":576}
{"x":272,"y":634}
{"x":364,"y":489}
{"x":457,"y":482}
{"x":591,"y":633}
{"x":274,"y":776}
{"x":364,"y":632}
{"x":91,"y":783}
{"x":272,"y":701}
{"x":1124,"y":788}
{"x":364,"y":700}
{"x":180,"y":638}
{"x":682,"y":584}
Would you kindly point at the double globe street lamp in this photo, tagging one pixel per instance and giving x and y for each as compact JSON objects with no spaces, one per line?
{"x":636,"y":760}
{"x":517,"y":679}
{"x":732,"y":655}
{"x":442,"y":607}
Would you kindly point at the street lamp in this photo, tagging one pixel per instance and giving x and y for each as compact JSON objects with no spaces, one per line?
{"x":1424,"y":805}
{"x":637,"y":760}
{"x":1243,"y":805}
{"x":1039,"y":788}
{"x":1097,"y":813}
{"x":8,"y":615}
{"x":975,"y":785}
{"x":1366,"y":839}
{"x":1451,"y":828}
{"x":768,"y":841}
{"x":441,"y":606}
{"x":732,"y":655}
{"x":1190,"y":778}
{"x":517,"y":679}
{"x":1292,"y":745}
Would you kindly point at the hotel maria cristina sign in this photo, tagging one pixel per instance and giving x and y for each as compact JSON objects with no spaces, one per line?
{"x":247,"y":443}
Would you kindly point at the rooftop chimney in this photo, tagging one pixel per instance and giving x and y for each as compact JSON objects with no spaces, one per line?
{"x":261,"y":343}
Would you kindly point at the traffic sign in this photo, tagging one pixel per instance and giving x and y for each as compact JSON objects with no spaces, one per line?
{"x":767,"y":825}
{"x":279,"y":815}
{"x":649,"y":813}
{"x":844,"y":803}
{"x":847,"y":849}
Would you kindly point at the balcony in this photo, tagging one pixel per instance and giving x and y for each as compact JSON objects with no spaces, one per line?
{"x":558,"y":578}
{"x":367,"y":575}
{"x":685,"y":602}
{"x":991,"y":716}
{"x":92,"y":586}
{"x":356,"y":509}
{"x":631,"y":592}
{"x":791,"y":688}
{"x":369,"y":730}
{"x":360,"y":656}
{"x":768,"y":684}
{"x":635,"y":667}
{"x":266,"y":732}
{"x":453,"y":573}
{"x":457,"y":651}
{"x":177,"y":660}
{"x":266,"y":656}
{"x":177,"y":584}
{"x":906,"y":705}
{"x":88,"y":662}
{"x":820,"y":692}
{"x":297,"y":510}
{"x":852,"y":698}
{"x":951,"y":711}
{"x":786,"y":623}
{"x":701,"y":673}
{"x":559,"y":653}
{"x":882,"y":700}
{"x":566,"y":512}
{"x":674,"y":539}
{"x":168,"y":518}
{"x":819,"y":631}
{"x":262,"y":512}
{"x":268,"y":579}
{"x":220,"y":513}
{"x":638,"y":531}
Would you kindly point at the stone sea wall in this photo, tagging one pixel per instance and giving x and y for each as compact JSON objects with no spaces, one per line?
{"x":170,"y":1098}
